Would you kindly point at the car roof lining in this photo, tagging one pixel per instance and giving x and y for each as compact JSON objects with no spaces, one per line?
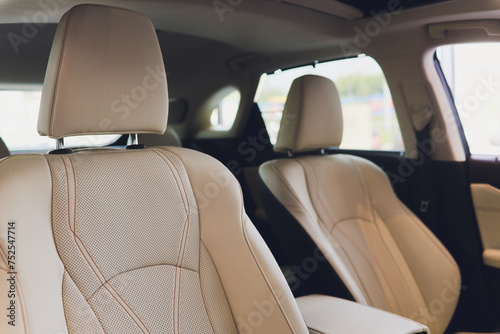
{"x":286,"y":35}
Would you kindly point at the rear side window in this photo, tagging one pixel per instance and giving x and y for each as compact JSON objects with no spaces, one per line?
{"x":224,"y":113}
{"x":370,"y":121}
{"x":18,"y":125}
{"x":473,"y":76}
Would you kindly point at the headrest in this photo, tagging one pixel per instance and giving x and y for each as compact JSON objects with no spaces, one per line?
{"x":169,"y":138}
{"x":105,"y":75}
{"x":312,"y":118}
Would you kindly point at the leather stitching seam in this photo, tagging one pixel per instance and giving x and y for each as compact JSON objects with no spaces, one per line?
{"x":202,"y":294}
{"x":185,"y":232}
{"x":372,"y":207}
{"x":95,"y":264}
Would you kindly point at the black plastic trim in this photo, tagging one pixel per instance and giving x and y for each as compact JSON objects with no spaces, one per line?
{"x":61,"y":151}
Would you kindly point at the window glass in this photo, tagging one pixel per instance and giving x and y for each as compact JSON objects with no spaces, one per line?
{"x":18,"y":125}
{"x":224,"y":114}
{"x":370,"y":121}
{"x":472,"y":73}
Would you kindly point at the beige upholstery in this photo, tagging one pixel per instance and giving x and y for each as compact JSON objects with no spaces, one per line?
{"x":117,"y":266}
{"x":383,"y":253}
{"x":330,"y":315}
{"x":310,"y":101}
{"x":4,"y":151}
{"x":103,"y":76}
{"x":132,"y":241}
{"x":486,"y":200}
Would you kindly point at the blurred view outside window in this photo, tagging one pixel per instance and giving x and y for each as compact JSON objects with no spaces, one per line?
{"x":473,"y":75}
{"x":370,"y":121}
{"x":224,"y":114}
{"x":18,"y":125}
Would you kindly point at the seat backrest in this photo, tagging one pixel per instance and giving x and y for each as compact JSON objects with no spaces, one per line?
{"x":127,"y":240}
{"x":383,"y":253}
{"x":4,"y":151}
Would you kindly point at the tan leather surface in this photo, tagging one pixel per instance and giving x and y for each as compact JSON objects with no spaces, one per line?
{"x":127,"y":230}
{"x":312,"y":102}
{"x":386,"y":257}
{"x":121,"y":254}
{"x":105,"y":75}
{"x":486,"y":199}
{"x":258,"y":294}
{"x":329,"y":315}
{"x":491,"y":257}
{"x":25,"y":197}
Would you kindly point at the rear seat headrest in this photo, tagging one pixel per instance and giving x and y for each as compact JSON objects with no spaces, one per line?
{"x":105,"y":75}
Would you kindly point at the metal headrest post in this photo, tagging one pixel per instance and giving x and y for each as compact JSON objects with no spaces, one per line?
{"x":134,"y":139}
{"x":60,"y":144}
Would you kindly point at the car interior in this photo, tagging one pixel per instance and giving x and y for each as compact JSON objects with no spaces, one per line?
{"x":250,"y":166}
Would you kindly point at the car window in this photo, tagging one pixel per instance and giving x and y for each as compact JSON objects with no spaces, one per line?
{"x":18,"y":125}
{"x":474,"y":78}
{"x":370,"y":121}
{"x":224,"y":113}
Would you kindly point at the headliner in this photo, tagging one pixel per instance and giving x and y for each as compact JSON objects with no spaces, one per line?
{"x":275,"y":34}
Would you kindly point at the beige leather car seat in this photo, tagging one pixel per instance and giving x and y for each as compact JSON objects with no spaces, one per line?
{"x":128,"y":240}
{"x":382,"y":252}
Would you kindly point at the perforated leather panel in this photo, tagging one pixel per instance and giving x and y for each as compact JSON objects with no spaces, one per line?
{"x":384,"y":254}
{"x":127,"y":230}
